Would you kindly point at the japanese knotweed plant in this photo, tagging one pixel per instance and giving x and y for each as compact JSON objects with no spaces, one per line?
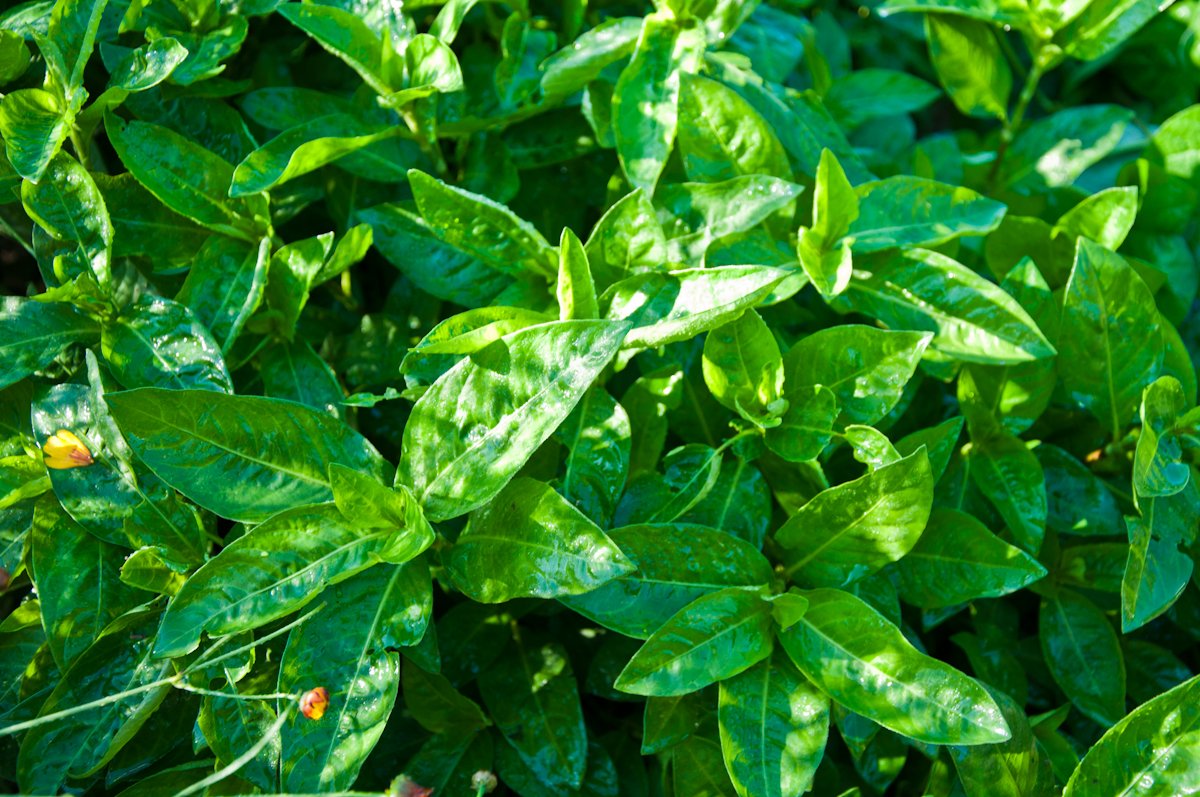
{"x":567,"y":399}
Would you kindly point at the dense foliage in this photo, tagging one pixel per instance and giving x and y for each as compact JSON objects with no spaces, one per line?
{"x":586,"y":398}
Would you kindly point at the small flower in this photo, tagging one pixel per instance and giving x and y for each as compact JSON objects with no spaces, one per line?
{"x":65,"y":450}
{"x":485,"y":782}
{"x":404,"y":786}
{"x":314,"y":702}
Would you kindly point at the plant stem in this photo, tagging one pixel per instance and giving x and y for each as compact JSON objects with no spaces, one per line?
{"x":82,"y":149}
{"x":240,"y":761}
{"x":1014,"y":121}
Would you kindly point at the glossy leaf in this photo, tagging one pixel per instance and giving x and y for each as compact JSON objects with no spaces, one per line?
{"x":1083,"y":655}
{"x":957,"y":560}
{"x":597,"y":435}
{"x":714,"y":637}
{"x":492,"y":439}
{"x":774,"y":724}
{"x":547,"y":547}
{"x":249,"y":472}
{"x":850,"y":531}
{"x":864,"y":663}
{"x":671,"y":573}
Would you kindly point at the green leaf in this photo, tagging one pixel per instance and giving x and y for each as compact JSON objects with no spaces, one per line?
{"x":722,"y":137}
{"x":576,"y":291}
{"x":481,"y":228}
{"x":958,"y":560}
{"x":572,"y":68}
{"x":344,"y":35}
{"x":67,"y":204}
{"x":303,"y":149}
{"x":186,"y":178}
{"x":436,"y":704}
{"x":78,"y":578}
{"x":867,"y":93}
{"x":197,"y":441}
{"x":432,"y":68}
{"x":1053,"y":151}
{"x":73,"y":28}
{"x":669,"y":307}
{"x":744,"y":369}
{"x":225,"y":286}
{"x":940,"y":444}
{"x":412,"y":246}
{"x":676,"y":564}
{"x":774,"y":724}
{"x":1015,"y":768}
{"x":115,"y":498}
{"x":32,"y":334}
{"x":1105,"y":365}
{"x":81,"y":744}
{"x":1076,"y":501}
{"x":532,"y":696}
{"x":865,"y":367}
{"x":1009,"y":474}
{"x":295,"y":372}
{"x":850,"y":531}
{"x":1157,"y":469}
{"x":694,"y":215}
{"x":478,"y":424}
{"x":714,"y":637}
{"x":807,"y":426}
{"x":646,"y":98}
{"x":972,"y":319}
{"x":911,"y":211}
{"x":597,"y":436}
{"x":1105,"y":217}
{"x":1083,"y":655}
{"x":856,"y":656}
{"x":144,"y":226}
{"x":543,"y":546}
{"x":380,"y":608}
{"x":970,"y":64}
{"x":291,"y":276}
{"x":274,"y":570}
{"x":14,"y":56}
{"x":1157,"y":571}
{"x":158,"y":343}
{"x":835,"y":208}
{"x":698,"y":768}
{"x":627,"y":240}
{"x":1104,"y":26}
{"x":1148,"y":753}
{"x":34,"y":125}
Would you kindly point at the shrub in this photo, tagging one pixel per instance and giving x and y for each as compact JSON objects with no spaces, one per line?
{"x":598,"y":399}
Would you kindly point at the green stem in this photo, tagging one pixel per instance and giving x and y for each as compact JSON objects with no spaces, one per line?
{"x":82,"y":149}
{"x":1014,"y":121}
{"x":240,"y":761}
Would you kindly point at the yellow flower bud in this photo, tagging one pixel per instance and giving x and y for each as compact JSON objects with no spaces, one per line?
{"x":314,"y":702}
{"x":65,"y":450}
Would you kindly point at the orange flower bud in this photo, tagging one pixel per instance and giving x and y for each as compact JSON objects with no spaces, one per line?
{"x":314,"y":702}
{"x":65,"y":450}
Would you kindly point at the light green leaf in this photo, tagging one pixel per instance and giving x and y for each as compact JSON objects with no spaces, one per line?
{"x":68,"y":205}
{"x":912,"y":211}
{"x":159,"y":343}
{"x":530,"y":543}
{"x":34,"y":125}
{"x":744,"y":369}
{"x":774,"y":724}
{"x":1157,"y":469}
{"x":273,"y":570}
{"x":471,"y":431}
{"x":722,"y":137}
{"x":33,"y":333}
{"x":852,"y":530}
{"x":676,"y":564}
{"x":856,"y":656}
{"x":646,"y":99}
{"x":1008,"y":473}
{"x":969,"y":62}
{"x":715,"y":637}
{"x":201,"y":444}
{"x":576,"y":291}
{"x":597,"y":436}
{"x":972,"y":319}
